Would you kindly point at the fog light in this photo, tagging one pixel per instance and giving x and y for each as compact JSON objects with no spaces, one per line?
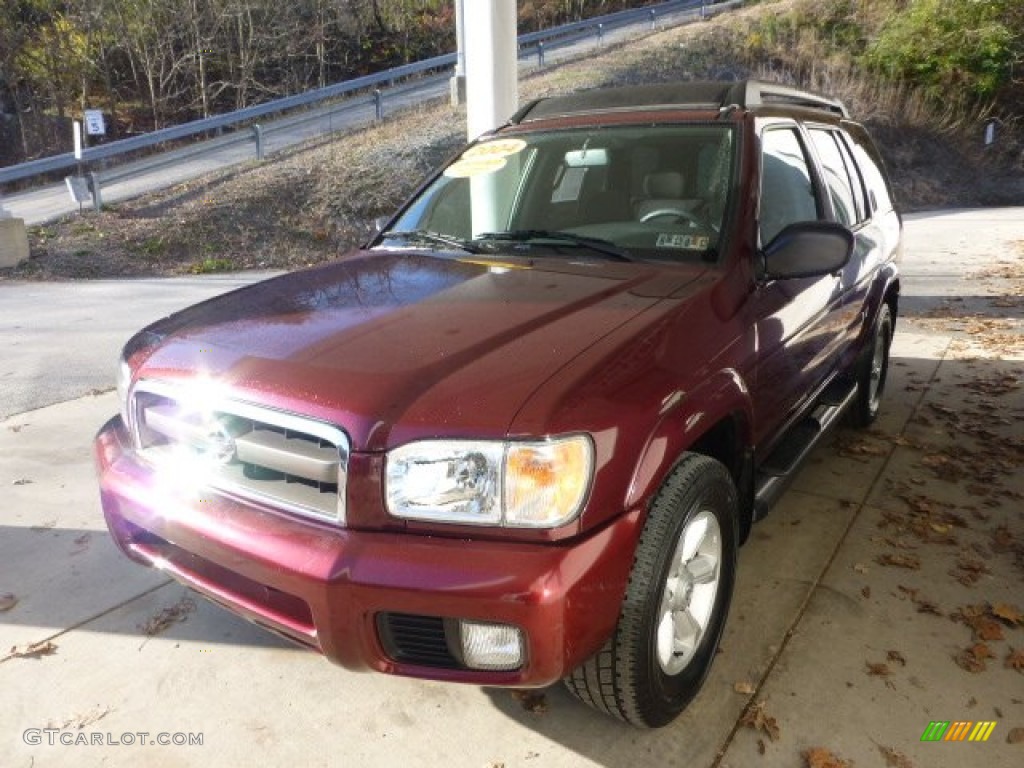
{"x":491,"y":646}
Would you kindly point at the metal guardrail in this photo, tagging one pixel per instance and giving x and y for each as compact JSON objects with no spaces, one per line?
{"x":534,"y":43}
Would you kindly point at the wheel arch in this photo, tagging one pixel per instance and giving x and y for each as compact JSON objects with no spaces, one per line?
{"x":714,"y":420}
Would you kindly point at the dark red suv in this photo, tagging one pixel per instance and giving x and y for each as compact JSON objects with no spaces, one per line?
{"x":519,"y":436}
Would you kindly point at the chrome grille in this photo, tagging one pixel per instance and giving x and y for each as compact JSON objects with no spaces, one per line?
{"x":287,"y":461}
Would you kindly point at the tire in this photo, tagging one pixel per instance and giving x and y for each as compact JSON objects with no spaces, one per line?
{"x":641,"y":675}
{"x":873,"y":371}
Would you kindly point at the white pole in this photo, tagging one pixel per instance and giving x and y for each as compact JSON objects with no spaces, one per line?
{"x":458,"y":84}
{"x":492,"y":96}
{"x":491,"y":64}
{"x":78,"y":140}
{"x":460,"y":37}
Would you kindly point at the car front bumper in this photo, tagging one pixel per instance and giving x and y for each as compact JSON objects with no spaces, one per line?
{"x":327,"y":587}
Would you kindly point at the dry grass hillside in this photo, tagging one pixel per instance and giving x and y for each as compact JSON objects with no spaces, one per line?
{"x":308,"y":204}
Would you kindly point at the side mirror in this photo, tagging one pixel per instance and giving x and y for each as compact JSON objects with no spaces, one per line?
{"x":808,"y":249}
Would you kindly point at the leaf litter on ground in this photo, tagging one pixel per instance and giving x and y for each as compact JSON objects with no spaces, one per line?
{"x":31,"y":651}
{"x":819,"y":757}
{"x":755,"y":717}
{"x":168,"y":616}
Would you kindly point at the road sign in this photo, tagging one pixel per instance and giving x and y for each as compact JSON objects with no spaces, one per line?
{"x":95,"y":125}
{"x":78,"y":188}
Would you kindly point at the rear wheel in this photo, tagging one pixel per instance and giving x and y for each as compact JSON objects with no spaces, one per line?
{"x":676,"y":601}
{"x":872,"y":371}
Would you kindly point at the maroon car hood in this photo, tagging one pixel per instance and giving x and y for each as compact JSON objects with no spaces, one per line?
{"x":398,"y":346}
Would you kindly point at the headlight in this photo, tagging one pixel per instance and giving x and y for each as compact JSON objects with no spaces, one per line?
{"x":450,"y":481}
{"x":537,"y":484}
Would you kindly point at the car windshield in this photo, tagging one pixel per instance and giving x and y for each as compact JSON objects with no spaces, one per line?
{"x":625,"y":192}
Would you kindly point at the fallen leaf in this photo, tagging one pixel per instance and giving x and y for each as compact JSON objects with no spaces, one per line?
{"x":1015,"y":736}
{"x":755,"y":717}
{"x":78,"y":722}
{"x":1015,"y":659}
{"x":987,"y":629}
{"x":901,"y":543}
{"x":819,"y":757}
{"x":168,"y":616}
{"x":1002,"y":539}
{"x":895,"y":759}
{"x":31,"y":651}
{"x":532,"y":701}
{"x":860,"y":568}
{"x":877,"y":670}
{"x":862,"y":448}
{"x":743,"y":687}
{"x":896,"y":658}
{"x":969,"y":571}
{"x":970,"y":613}
{"x":913,"y":562}
{"x":7,"y":601}
{"x":973,"y":658}
{"x":865,"y":592}
{"x":1011,"y":614}
{"x":81,"y":544}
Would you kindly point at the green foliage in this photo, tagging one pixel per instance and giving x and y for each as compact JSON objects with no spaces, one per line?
{"x":938,"y":44}
{"x":208,"y":266}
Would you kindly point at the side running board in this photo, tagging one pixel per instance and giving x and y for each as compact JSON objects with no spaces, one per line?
{"x":777,"y":471}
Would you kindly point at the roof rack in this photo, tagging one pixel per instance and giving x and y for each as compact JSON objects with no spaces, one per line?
{"x":702,"y":95}
{"x":757,"y":93}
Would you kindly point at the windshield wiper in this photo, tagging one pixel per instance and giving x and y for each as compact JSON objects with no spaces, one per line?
{"x":606,"y":247}
{"x":426,"y":236}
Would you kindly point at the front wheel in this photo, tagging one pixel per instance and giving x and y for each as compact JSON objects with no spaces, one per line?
{"x":676,"y":601}
{"x":872,"y":371}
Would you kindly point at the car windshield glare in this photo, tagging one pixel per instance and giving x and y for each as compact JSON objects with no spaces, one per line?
{"x":656,"y":192}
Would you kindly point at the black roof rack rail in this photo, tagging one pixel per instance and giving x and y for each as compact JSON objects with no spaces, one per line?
{"x":702,"y":95}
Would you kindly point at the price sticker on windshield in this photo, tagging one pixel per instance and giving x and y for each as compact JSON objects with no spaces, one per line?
{"x":474,"y":166}
{"x":500,"y":148}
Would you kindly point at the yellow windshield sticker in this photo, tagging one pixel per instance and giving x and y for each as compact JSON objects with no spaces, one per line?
{"x":500,"y":148}
{"x":468,"y":167}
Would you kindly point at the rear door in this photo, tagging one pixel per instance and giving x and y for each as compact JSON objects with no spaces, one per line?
{"x":850,"y":207}
{"x":798,"y":321}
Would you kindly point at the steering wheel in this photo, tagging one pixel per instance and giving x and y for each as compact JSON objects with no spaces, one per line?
{"x":675,"y":213}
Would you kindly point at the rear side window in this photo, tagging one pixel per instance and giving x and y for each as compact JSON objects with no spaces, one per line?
{"x":841,"y":178}
{"x":787,"y":192}
{"x":874,"y":179}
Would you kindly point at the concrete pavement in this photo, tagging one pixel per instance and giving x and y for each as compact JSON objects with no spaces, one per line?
{"x":61,"y":340}
{"x":835,"y":636}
